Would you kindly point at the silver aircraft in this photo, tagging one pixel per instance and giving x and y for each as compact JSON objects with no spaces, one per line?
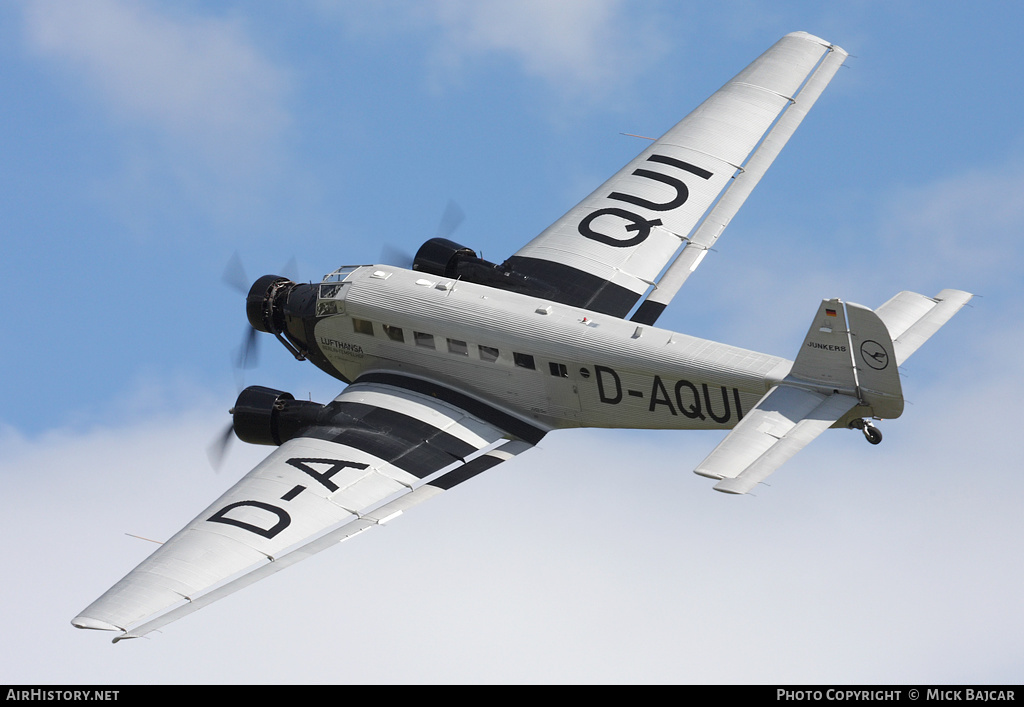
{"x":460,"y":364}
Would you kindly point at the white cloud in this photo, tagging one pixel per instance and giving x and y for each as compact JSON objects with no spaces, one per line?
{"x":966,"y":226}
{"x":194,"y":113}
{"x":576,"y":46}
{"x":198,"y":79}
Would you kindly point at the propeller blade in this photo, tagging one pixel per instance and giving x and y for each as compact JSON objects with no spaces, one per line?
{"x":234,"y":275}
{"x":218,"y":448}
{"x":290,"y":269}
{"x":248,"y":352}
{"x":451,"y":219}
{"x":399,"y":257}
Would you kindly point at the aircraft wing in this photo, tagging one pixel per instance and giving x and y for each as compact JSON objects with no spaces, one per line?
{"x":663,"y":211}
{"x":782,"y":423}
{"x":392,"y":441}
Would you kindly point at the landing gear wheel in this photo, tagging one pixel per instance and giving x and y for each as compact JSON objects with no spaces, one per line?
{"x":871,"y":433}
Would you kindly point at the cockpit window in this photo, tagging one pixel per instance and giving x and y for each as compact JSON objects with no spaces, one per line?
{"x":341,"y":274}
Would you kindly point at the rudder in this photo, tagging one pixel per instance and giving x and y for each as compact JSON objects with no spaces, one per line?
{"x":848,"y":350}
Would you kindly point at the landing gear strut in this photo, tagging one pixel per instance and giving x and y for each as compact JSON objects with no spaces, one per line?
{"x":871,"y":433}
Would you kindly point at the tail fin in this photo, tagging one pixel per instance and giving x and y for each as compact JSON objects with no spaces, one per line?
{"x":853,"y":350}
{"x":846,"y":369}
{"x":848,"y":350}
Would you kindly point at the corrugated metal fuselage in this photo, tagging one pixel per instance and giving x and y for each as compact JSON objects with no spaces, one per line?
{"x":557,"y":365}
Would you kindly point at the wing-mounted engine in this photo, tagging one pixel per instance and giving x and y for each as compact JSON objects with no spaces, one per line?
{"x":267,"y":416}
{"x":445,"y":258}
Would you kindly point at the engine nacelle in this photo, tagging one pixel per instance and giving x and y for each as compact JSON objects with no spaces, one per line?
{"x":441,"y":257}
{"x":445,"y":258}
{"x":267,"y":416}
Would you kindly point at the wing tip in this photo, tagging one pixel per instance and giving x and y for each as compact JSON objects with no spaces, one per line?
{"x":733,"y":487}
{"x":817,"y":40}
{"x":95,"y":624}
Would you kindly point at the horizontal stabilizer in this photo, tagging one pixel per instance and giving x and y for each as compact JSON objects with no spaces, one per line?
{"x":782,"y":423}
{"x":912,"y":318}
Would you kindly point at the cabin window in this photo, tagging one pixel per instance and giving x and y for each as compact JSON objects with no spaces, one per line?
{"x":458,"y":347}
{"x":425,"y":340}
{"x":362,"y":326}
{"x":558,"y":369}
{"x":488,"y":353}
{"x":394,"y":333}
{"x":524,"y":360}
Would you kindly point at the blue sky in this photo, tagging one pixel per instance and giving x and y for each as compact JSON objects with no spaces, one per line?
{"x":142,"y":144}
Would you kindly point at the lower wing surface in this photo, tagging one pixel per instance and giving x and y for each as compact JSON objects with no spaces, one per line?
{"x":385,"y":444}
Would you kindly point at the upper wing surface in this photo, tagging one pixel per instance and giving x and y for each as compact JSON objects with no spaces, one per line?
{"x":389,"y":442}
{"x":611,"y":247}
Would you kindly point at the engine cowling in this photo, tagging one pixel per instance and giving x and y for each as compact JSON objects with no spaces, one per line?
{"x":445,"y":258}
{"x":276,"y":305}
{"x":267,"y":416}
{"x":441,"y":257}
{"x":265,"y":304}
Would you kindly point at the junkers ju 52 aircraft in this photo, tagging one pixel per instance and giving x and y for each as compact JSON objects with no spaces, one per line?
{"x":460,"y":364}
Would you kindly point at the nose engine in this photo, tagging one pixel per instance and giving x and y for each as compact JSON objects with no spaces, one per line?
{"x":265,"y":304}
{"x":278,"y":306}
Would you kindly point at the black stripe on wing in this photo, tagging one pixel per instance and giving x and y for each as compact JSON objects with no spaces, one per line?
{"x":514,"y":426}
{"x":574,"y":287}
{"x":410,"y":444}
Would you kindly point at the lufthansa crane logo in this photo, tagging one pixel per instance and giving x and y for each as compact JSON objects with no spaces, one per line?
{"x":874,"y":355}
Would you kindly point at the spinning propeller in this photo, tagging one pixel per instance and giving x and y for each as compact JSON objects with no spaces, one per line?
{"x":234,"y":277}
{"x":451,"y":219}
{"x":247,"y":355}
{"x":267,"y":308}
